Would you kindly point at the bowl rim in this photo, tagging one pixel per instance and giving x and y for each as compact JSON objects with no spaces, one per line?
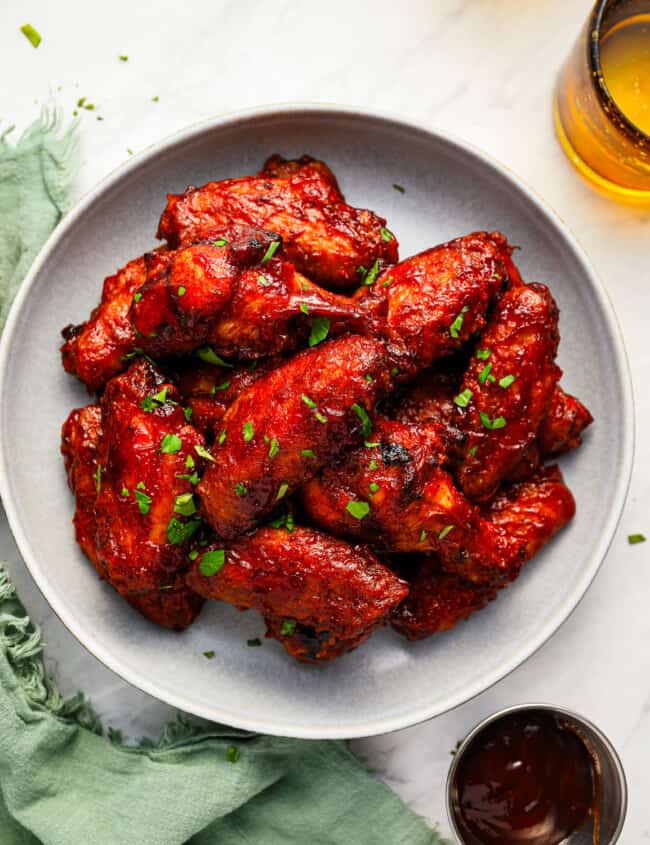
{"x":625,"y":411}
{"x":550,"y":708}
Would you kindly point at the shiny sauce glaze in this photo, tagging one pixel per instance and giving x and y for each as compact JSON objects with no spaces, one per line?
{"x":526,"y":778}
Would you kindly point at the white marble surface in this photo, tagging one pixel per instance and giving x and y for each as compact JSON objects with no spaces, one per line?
{"x":483,"y":69}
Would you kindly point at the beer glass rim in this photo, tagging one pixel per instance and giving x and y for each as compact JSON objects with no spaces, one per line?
{"x":603,"y":92}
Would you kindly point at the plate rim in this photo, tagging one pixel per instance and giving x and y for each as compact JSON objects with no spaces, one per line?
{"x":625,"y":412}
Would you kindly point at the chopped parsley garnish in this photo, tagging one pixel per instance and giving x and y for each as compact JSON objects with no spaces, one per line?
{"x":261,"y":278}
{"x":31,"y":34}
{"x":170,"y":444}
{"x":386,"y":282}
{"x":181,"y":290}
{"x":633,"y":539}
{"x":211,"y":562}
{"x":308,"y":402}
{"x":207,"y":354}
{"x":386,"y":235}
{"x":369,"y":378}
{"x":445,"y":531}
{"x":232,"y":754}
{"x":202,"y":452}
{"x":193,"y":478}
{"x":307,"y":453}
{"x":254,"y":643}
{"x":220,"y":242}
{"x":137,"y":296}
{"x":486,"y":374}
{"x":463,"y":398}
{"x":97,"y":475}
{"x":193,"y":554}
{"x":285,"y":521}
{"x":143,"y":500}
{"x":457,"y":325}
{"x":471,"y":452}
{"x":240,"y":489}
{"x":373,"y":487}
{"x":123,"y":58}
{"x":366,"y":424}
{"x":222,"y":437}
{"x":288,"y":627}
{"x":149,"y":403}
{"x":394,"y":372}
{"x":179,"y":532}
{"x":282,"y":491}
{"x":423,"y":536}
{"x":270,"y":252}
{"x":497,"y":422}
{"x":371,"y":444}
{"x":399,"y":188}
{"x":184,"y":504}
{"x":274,"y":447}
{"x":248,"y":432}
{"x":358,"y":509}
{"x":506,"y":381}
{"x":190,"y":462}
{"x":124,"y":491}
{"x":209,"y":654}
{"x":320,"y":327}
{"x":483,"y":354}
{"x":223,"y":386}
{"x":370,"y":277}
{"x":372,"y":465}
{"x":320,"y":417}
{"x":155,"y":99}
{"x":188,"y":413}
{"x":304,"y":308}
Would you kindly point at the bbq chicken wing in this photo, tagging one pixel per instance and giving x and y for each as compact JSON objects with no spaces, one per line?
{"x":173,"y":605}
{"x":507,"y":389}
{"x":397,"y":495}
{"x":324,"y":238}
{"x":280,"y":431}
{"x":97,"y":349}
{"x":319,"y":595}
{"x":145,"y":512}
{"x":429,"y":305}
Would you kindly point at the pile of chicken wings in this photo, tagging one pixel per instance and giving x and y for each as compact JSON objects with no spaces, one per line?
{"x":289,"y":418}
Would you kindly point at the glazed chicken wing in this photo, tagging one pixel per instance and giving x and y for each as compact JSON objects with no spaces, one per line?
{"x":319,"y":595}
{"x":145,"y":511}
{"x":507,"y":389}
{"x":429,"y":305}
{"x":397,"y":494}
{"x":325,"y":238}
{"x":173,"y":605}
{"x":280,"y":431}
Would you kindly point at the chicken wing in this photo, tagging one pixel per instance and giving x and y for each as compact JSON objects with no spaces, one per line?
{"x":173,"y":606}
{"x":319,"y":595}
{"x":97,"y":349}
{"x":561,"y":430}
{"x":507,"y":389}
{"x":325,"y":238}
{"x":280,"y":431}
{"x":397,"y":494}
{"x":147,"y":460}
{"x":429,"y":305}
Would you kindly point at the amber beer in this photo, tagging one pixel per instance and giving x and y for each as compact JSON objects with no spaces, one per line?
{"x":602,"y":99}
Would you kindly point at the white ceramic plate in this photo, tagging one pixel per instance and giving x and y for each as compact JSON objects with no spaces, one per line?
{"x":388,"y":683}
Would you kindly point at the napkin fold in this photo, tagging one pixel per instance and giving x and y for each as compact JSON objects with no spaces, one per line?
{"x":62,"y":782}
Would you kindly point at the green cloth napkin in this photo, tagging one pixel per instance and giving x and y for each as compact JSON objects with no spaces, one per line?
{"x":61,"y":781}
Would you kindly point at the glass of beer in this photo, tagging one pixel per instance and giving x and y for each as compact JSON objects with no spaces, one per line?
{"x":602,"y":99}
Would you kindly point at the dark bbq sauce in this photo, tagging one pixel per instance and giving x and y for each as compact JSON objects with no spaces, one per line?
{"x":526,"y":778}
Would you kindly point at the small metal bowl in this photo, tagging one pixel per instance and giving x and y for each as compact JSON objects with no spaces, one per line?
{"x":613,"y":788}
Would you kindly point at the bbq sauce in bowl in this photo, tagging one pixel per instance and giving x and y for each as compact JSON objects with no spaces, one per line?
{"x":527,"y":778}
